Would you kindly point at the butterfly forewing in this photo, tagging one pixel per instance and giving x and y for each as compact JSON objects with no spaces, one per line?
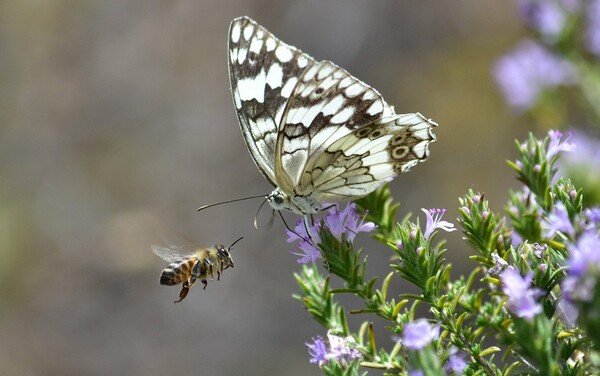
{"x":263,"y":72}
{"x":316,"y":132}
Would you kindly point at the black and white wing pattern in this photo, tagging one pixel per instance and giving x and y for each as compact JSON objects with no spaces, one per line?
{"x":317,"y":133}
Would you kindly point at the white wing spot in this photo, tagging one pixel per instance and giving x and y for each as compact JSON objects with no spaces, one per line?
{"x":242,"y":52}
{"x":327,"y":83}
{"x":236,"y":31}
{"x":248,"y":31}
{"x":289,"y":86}
{"x":237,"y":100}
{"x":310,"y":74}
{"x":302,"y":61}
{"x":369,"y":94}
{"x":260,"y":34}
{"x":354,"y":90}
{"x":253,"y":88}
{"x":343,"y":115}
{"x":233,"y":55}
{"x":375,"y":108}
{"x":345,"y":82}
{"x":303,"y":115}
{"x":256,"y":45}
{"x":334,"y":105}
{"x":271,"y":44}
{"x":324,"y":71}
{"x":275,"y":76}
{"x":283,"y":53}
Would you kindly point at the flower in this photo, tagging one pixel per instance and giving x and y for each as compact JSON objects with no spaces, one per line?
{"x":317,"y":351}
{"x":558,"y":220}
{"x":434,"y":221}
{"x":419,"y":334}
{"x":557,"y":144}
{"x":528,"y":70}
{"x":347,"y":222}
{"x":547,"y":17}
{"x":457,"y":361}
{"x":308,"y":238}
{"x":592,"y":37}
{"x":593,"y":215}
{"x":521,"y":297}
{"x":585,"y":254}
{"x":499,"y":264}
{"x":341,"y":349}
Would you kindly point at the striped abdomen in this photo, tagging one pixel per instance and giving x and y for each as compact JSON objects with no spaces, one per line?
{"x":177,"y":272}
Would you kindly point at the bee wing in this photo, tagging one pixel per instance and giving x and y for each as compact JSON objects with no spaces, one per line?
{"x":168,"y":254}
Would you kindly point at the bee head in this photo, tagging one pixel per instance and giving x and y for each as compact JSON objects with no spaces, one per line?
{"x":224,"y":256}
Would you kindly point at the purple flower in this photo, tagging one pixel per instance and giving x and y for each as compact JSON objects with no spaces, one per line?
{"x":593,"y":215}
{"x":457,"y":361}
{"x":557,"y":144}
{"x":419,"y":334}
{"x":416,"y":372}
{"x":347,"y":222}
{"x":527,"y":71}
{"x":522,"y":299}
{"x":592,"y":37}
{"x":317,"y":351}
{"x":558,"y":220}
{"x":341,"y":349}
{"x":547,"y":17}
{"x":434,"y":221}
{"x":585,"y":255}
{"x":307,"y":239}
{"x":499,"y":264}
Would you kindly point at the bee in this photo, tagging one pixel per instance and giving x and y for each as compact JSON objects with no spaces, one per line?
{"x":187,"y":267}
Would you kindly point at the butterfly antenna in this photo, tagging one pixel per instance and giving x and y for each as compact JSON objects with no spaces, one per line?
{"x":258,"y":211}
{"x":228,"y":201}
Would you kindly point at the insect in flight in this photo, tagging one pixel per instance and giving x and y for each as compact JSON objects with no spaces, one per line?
{"x":186,"y":266}
{"x":315,"y":132}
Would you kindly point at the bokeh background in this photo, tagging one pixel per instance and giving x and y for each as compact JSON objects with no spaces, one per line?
{"x":116,"y":123}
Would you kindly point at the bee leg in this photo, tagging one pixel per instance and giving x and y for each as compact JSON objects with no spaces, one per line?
{"x":219,"y":275}
{"x":183,"y":293}
{"x":205,"y":282}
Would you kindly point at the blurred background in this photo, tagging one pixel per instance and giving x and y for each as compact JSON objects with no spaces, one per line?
{"x":116,"y":123}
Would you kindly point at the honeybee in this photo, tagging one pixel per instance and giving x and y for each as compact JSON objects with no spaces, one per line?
{"x":187,"y":267}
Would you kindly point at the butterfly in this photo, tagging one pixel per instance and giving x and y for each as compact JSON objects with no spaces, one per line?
{"x":315,"y":132}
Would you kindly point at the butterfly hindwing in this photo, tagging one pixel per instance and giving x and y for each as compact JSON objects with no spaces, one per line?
{"x":263,"y":72}
{"x":361,"y":161}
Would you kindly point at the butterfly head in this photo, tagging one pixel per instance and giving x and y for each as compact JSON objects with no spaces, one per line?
{"x":279,"y":200}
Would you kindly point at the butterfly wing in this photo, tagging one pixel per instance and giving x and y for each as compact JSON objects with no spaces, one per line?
{"x":359,"y":162}
{"x":264,"y":72}
{"x":327,"y":104}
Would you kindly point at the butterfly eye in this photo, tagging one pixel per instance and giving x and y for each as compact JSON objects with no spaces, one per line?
{"x":278,"y":200}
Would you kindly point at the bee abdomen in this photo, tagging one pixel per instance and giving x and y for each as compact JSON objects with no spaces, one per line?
{"x":169,"y":277}
{"x":176,"y":273}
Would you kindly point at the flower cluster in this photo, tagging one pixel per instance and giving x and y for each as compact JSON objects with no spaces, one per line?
{"x":344,"y":225}
{"x":336,"y":348}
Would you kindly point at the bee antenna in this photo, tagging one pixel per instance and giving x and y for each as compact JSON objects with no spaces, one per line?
{"x":227,"y":202}
{"x":232,"y":244}
{"x":258,"y":211}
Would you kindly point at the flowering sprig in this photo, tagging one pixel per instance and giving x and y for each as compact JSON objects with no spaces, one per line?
{"x":539,"y":269}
